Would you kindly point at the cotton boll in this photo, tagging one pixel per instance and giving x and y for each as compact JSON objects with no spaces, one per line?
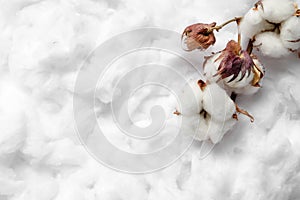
{"x":276,"y":11}
{"x":201,"y":132}
{"x":190,"y":98}
{"x":246,"y":85}
{"x":217,"y":129}
{"x":212,"y":129}
{"x":217,"y":103}
{"x":253,"y":23}
{"x":290,"y":33}
{"x":270,"y":44}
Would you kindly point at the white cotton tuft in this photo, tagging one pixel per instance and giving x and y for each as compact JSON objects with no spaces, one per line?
{"x":10,"y":185}
{"x":276,"y":11}
{"x":39,"y":185}
{"x":253,"y":23}
{"x":270,"y":44}
{"x":12,"y":117}
{"x":65,"y":152}
{"x":290,"y":33}
{"x":190,"y":98}
{"x":217,"y":103}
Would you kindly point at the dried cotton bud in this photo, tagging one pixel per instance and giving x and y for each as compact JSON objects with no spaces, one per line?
{"x":198,"y":36}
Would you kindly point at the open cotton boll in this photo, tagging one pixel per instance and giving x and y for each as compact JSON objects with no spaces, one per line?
{"x":233,"y":68}
{"x":215,"y":117}
{"x":276,"y":11}
{"x":212,"y":129}
{"x":253,"y":23}
{"x":270,"y":44}
{"x":217,"y":130}
{"x":290,"y":33}
{"x":190,"y":98}
{"x":202,"y":126}
{"x":217,"y":103}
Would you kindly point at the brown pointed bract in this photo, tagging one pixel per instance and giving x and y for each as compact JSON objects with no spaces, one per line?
{"x":234,"y":61}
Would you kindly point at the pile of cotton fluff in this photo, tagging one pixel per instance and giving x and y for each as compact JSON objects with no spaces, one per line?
{"x":207,"y":110}
{"x":274,"y":26}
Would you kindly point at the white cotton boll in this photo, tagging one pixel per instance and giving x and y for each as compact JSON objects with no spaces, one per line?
{"x":190,"y":98}
{"x":218,"y":129}
{"x":290,"y":33}
{"x":238,"y":86}
{"x":217,"y":103}
{"x":253,"y":23}
{"x":270,"y":44}
{"x":276,"y":11}
{"x":201,"y":132}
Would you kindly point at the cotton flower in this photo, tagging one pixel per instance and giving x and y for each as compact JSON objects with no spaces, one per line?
{"x":208,"y":112}
{"x":276,"y":11}
{"x":198,"y":36}
{"x":253,"y":23}
{"x":290,"y":33}
{"x":270,"y":44}
{"x":234,"y":69}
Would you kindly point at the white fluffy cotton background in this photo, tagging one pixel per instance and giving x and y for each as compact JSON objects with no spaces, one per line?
{"x":42,"y":44}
